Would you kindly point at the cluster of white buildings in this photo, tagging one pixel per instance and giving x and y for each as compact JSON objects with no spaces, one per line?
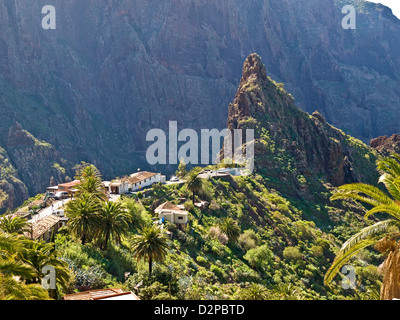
{"x":133,"y":183}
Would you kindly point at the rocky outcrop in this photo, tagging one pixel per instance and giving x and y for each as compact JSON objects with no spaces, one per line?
{"x":112,"y":70}
{"x":13,"y":191}
{"x":37,"y":162}
{"x":386,"y":145}
{"x":292,"y":147}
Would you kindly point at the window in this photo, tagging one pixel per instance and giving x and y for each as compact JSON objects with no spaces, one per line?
{"x":180,"y":218}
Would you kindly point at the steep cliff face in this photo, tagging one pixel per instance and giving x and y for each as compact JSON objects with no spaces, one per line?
{"x":296,"y":151}
{"x":386,"y":145}
{"x":12,"y":190}
{"x":27,"y":167}
{"x":37,"y":162}
{"x":112,"y":70}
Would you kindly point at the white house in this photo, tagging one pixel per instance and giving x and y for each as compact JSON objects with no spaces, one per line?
{"x":135,"y":182}
{"x":172,"y":213}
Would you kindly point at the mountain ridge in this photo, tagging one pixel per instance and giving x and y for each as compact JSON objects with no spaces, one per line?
{"x":92,"y":90}
{"x":293,"y":148}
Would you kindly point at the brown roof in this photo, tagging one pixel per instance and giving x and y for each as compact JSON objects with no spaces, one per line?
{"x":70,"y":184}
{"x":139,"y":176}
{"x":21,"y":214}
{"x":119,"y":296}
{"x":167,"y":206}
{"x":99,"y":295}
{"x":39,"y":228}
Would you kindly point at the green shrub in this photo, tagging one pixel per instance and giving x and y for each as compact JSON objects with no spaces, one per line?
{"x":317,"y":251}
{"x":189,"y":206}
{"x":259,"y":257}
{"x":292,"y":253}
{"x":217,"y":271}
{"x":201,"y":260}
{"x":248,"y":240}
{"x":216,"y":233}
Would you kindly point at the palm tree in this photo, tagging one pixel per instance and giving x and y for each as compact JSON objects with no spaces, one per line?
{"x":10,"y":244}
{"x":255,"y":291}
{"x":113,"y":222}
{"x":286,"y":291}
{"x":380,"y":233}
{"x":90,"y":182}
{"x":83,"y":217}
{"x":194,"y":183}
{"x":151,"y":244}
{"x":181,"y":172}
{"x":39,"y":254}
{"x":13,"y":269}
{"x":12,"y":289}
{"x":17,"y":225}
{"x":231,"y":229}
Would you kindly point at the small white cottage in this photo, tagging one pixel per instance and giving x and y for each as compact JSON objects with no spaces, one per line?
{"x":172,"y":213}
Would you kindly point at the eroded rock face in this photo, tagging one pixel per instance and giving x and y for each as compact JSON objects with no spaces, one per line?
{"x":289,"y":142}
{"x":112,"y":70}
{"x":38,"y":163}
{"x":386,"y":145}
{"x":12,"y":190}
{"x":13,"y":194}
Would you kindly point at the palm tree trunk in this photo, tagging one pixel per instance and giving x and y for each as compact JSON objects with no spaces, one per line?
{"x":106,"y":241}
{"x":391,"y":280}
{"x":83,"y":239}
{"x":150,"y":265}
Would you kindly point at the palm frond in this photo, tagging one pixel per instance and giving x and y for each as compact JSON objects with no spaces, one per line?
{"x":374,"y":194}
{"x":367,"y":232}
{"x":343,"y":257}
{"x":392,"y":184}
{"x":390,"y":165}
{"x":359,"y":241}
{"x":346,"y":195}
{"x":393,"y":209}
{"x":16,"y":268}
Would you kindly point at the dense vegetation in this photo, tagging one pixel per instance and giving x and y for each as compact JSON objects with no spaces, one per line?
{"x":250,"y":242}
{"x":270,"y":235}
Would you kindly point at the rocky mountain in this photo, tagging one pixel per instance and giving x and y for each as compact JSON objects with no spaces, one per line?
{"x":297,"y":152}
{"x":38,"y":163}
{"x":112,"y":70}
{"x":386,"y":145}
{"x":12,"y":190}
{"x":28,"y":167}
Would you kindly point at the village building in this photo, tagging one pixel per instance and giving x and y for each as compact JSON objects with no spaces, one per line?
{"x":52,"y":189}
{"x":102,"y":294}
{"x":69,"y":187}
{"x":172,"y":213}
{"x":44,"y":228}
{"x":133,"y":183}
